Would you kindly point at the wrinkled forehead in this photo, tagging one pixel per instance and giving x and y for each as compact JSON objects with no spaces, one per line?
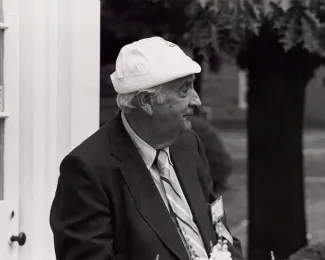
{"x":182,"y":81}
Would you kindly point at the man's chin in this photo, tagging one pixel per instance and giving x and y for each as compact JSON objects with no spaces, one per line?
{"x":187,"y":126}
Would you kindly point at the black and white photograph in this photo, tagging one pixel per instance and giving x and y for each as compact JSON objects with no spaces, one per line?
{"x":162,"y":130}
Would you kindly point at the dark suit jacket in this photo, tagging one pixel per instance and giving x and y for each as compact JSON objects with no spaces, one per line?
{"x":107,"y":206}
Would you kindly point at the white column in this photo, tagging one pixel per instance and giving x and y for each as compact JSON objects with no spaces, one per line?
{"x":85,"y":57}
{"x":59,"y":103}
{"x":242,"y":89}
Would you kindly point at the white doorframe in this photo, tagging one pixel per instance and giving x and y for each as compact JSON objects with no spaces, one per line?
{"x":10,"y":203}
{"x":11,"y":98}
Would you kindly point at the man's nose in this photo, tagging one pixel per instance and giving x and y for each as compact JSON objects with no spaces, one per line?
{"x":195,"y":100}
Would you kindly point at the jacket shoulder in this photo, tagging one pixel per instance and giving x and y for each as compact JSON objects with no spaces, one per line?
{"x":94,"y":145}
{"x":190,"y":141}
{"x":93,"y":153}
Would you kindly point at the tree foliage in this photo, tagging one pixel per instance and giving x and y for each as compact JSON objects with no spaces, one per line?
{"x":142,"y":18}
{"x":216,"y":24}
{"x":185,"y":22}
{"x":301,"y":24}
{"x":125,"y":21}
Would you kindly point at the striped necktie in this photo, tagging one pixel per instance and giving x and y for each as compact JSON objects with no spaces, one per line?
{"x":179,"y":208}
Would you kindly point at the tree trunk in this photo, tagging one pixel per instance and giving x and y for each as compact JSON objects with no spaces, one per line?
{"x":277,"y":82}
{"x":275,"y":165}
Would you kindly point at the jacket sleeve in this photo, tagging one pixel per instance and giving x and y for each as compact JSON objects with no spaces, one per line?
{"x":235,"y":249}
{"x":80,"y":217}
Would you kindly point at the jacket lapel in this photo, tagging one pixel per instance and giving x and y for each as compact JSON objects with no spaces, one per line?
{"x":186,"y":170}
{"x":143,"y":189}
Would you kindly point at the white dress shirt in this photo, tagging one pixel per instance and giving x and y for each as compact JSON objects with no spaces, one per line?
{"x":148,"y":154}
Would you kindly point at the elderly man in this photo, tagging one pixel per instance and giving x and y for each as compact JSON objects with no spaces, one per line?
{"x":140,"y":187}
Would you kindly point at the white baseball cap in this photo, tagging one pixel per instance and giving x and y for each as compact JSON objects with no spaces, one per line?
{"x":150,"y":62}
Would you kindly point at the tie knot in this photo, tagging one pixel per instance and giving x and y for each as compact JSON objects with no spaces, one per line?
{"x":162,"y":160}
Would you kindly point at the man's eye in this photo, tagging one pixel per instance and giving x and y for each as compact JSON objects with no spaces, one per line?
{"x":186,"y":88}
{"x":183,"y":92}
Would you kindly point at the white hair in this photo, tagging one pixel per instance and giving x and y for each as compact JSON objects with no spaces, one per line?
{"x":127,"y":102}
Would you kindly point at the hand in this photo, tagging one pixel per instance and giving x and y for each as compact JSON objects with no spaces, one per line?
{"x":220,"y":255}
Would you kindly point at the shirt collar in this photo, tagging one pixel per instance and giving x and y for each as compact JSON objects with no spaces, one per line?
{"x":147,"y":152}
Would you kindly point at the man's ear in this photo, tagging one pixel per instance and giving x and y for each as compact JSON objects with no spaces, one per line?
{"x":145,"y":102}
